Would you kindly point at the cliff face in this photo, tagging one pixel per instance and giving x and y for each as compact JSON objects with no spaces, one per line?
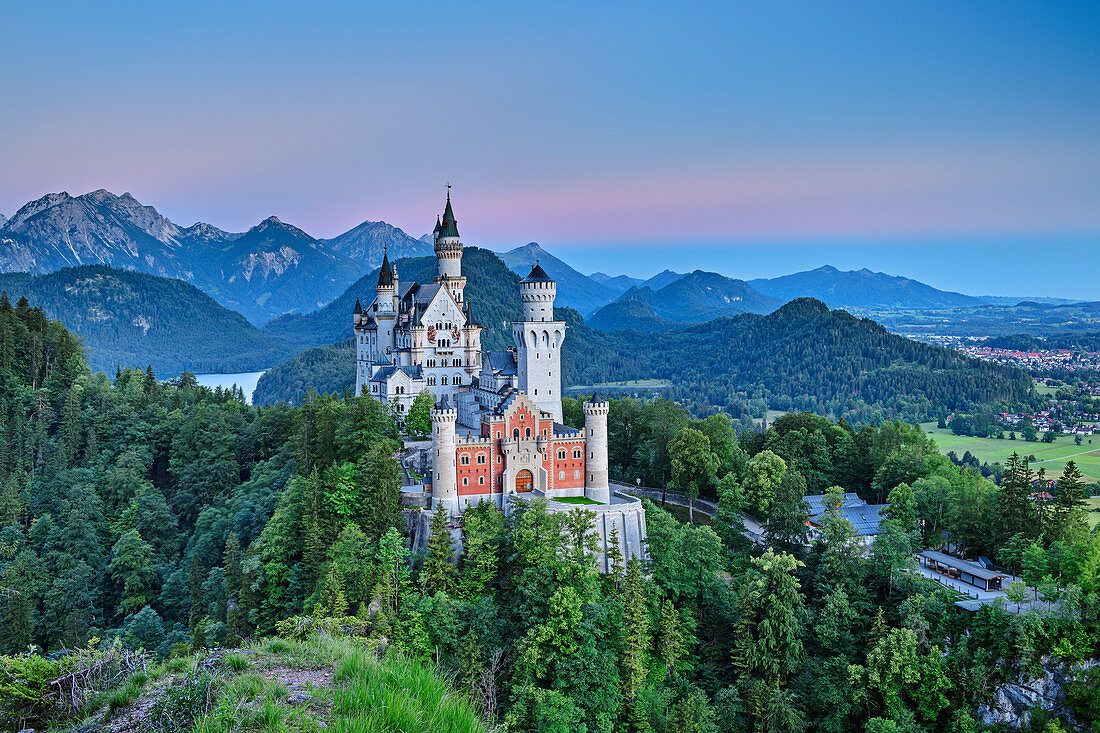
{"x":1013,"y":702}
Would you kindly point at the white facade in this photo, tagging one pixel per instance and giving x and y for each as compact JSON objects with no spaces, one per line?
{"x":413,"y":337}
{"x":538,"y":339}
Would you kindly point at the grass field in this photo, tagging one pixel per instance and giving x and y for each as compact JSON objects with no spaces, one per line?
{"x":630,"y":384}
{"x":1094,"y":516}
{"x":1045,"y":390}
{"x":575,"y":500}
{"x":1051,"y":456}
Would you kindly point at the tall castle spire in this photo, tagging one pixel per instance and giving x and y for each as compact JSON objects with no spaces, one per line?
{"x":448,"y":252}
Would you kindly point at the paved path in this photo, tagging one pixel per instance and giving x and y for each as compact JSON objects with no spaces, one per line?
{"x":753,"y":531}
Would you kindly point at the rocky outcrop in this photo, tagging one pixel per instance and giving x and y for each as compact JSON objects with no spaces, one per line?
{"x":1013,"y":702}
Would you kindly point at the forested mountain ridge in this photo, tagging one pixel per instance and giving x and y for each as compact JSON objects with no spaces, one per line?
{"x":132,"y":319}
{"x":801,"y":357}
{"x":173,"y":519}
{"x":631,"y":312}
{"x":699,"y":297}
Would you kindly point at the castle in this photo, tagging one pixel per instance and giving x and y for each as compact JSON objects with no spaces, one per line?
{"x":497,"y":427}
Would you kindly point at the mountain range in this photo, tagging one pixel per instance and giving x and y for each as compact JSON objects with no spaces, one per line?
{"x":272,"y":269}
{"x":861,"y":289}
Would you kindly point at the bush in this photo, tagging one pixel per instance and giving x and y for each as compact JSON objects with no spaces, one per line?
{"x":182,"y":704}
{"x":23,"y":689}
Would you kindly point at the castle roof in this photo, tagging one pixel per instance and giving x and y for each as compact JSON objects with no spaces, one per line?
{"x":383,"y":374}
{"x":385,"y":275}
{"x":358,"y":307}
{"x":449,"y":227}
{"x":502,"y":362}
{"x":538,"y":275}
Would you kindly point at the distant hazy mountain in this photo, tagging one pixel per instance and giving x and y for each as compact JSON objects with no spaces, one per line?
{"x":861,"y":289}
{"x":128,"y":318}
{"x":575,"y":289}
{"x":695,"y":298}
{"x":631,"y":312}
{"x":618,"y":283}
{"x":661,"y":279}
{"x":270,"y":270}
{"x":1016,"y":299}
{"x":365,"y":243}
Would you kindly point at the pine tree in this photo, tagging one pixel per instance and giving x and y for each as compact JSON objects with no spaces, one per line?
{"x":331,"y":602}
{"x":234,"y":581}
{"x":614,"y":553}
{"x":439,"y":568}
{"x":1015,"y":510}
{"x":1070,"y":503}
{"x":71,"y":429}
{"x":636,"y":642}
{"x":670,"y":637}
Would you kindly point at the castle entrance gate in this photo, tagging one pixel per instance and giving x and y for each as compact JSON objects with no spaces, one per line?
{"x":525,"y":480}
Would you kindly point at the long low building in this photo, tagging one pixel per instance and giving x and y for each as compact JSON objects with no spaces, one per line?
{"x":964,"y":570}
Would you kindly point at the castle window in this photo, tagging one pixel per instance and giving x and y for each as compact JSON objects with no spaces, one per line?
{"x":527,"y":432}
{"x":480,"y":480}
{"x":515,"y":434}
{"x":561,"y":475}
{"x":576,"y":474}
{"x":444,"y":379}
{"x":465,"y":482}
{"x":498,"y":459}
{"x":561,"y":455}
{"x":465,"y":460}
{"x":481,"y":458}
{"x":576,"y":454}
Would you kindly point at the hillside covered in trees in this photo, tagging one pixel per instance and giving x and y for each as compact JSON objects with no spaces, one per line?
{"x":132,"y":319}
{"x":801,"y":357}
{"x":172,"y":519}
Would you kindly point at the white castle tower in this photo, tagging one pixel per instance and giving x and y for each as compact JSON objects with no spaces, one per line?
{"x":595,"y":437}
{"x":444,"y":470}
{"x":448,"y":252}
{"x":538,"y":340}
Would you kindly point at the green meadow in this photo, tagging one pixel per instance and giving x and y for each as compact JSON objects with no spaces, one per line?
{"x":1051,"y":456}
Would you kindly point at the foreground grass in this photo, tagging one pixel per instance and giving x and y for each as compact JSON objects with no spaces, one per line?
{"x":288,"y":686}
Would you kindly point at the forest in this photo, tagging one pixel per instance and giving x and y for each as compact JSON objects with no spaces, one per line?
{"x":172,"y":520}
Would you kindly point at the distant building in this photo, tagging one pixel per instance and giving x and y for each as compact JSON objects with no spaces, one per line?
{"x":863,"y":517}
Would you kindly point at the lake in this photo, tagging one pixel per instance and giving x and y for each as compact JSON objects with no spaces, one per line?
{"x":245,"y":380}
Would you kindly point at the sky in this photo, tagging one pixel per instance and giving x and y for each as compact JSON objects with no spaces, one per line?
{"x":958,"y":143}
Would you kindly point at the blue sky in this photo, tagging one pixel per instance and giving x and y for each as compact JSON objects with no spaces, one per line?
{"x":954,"y":142}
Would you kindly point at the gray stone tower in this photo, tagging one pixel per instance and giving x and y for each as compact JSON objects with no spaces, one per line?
{"x":595,"y":463}
{"x":444,"y":471}
{"x":538,"y":340}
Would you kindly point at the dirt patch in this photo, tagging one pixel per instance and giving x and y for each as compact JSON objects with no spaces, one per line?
{"x":296,"y":678}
